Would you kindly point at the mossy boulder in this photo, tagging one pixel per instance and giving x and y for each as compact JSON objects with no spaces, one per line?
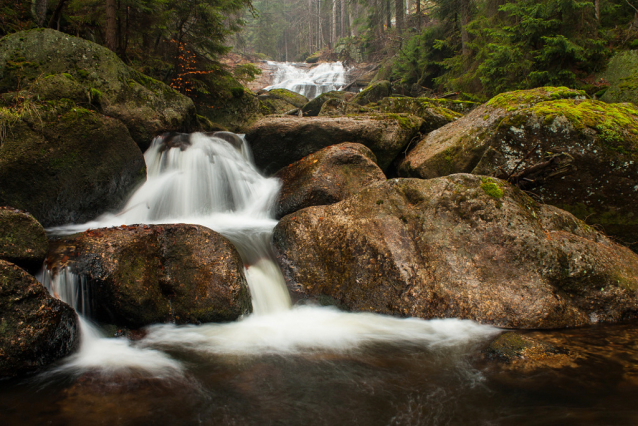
{"x":338,"y":107}
{"x":433,"y":116}
{"x":279,"y":141}
{"x":22,"y":239}
{"x":577,"y":154}
{"x":326,"y":177}
{"x":35,"y":328}
{"x":65,"y":163}
{"x":274,"y":104}
{"x":622,"y":75}
{"x":289,"y":96}
{"x":140,"y":275}
{"x":312,"y":108}
{"x":373,"y":93}
{"x":235,"y":113}
{"x":146,"y":106}
{"x":460,"y":246}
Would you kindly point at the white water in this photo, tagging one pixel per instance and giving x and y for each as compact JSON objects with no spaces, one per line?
{"x":212,"y":183}
{"x":309,"y":82}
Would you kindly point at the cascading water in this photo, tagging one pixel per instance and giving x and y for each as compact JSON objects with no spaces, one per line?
{"x":211,"y":182}
{"x":309,"y":82}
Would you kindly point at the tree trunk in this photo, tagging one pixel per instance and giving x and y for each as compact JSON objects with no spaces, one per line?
{"x":111,"y":25}
{"x":57,"y":13}
{"x":597,"y":9}
{"x":464,"y":12}
{"x":418,"y":14}
{"x":343,"y":19}
{"x":39,"y":10}
{"x":399,"y":11}
{"x":333,"y":39}
{"x":388,"y":15}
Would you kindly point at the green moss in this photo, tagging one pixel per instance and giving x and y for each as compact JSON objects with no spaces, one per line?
{"x":491,"y":188}
{"x":69,"y":76}
{"x":511,"y":101}
{"x":95,"y":95}
{"x":82,"y":73}
{"x":616,"y":125}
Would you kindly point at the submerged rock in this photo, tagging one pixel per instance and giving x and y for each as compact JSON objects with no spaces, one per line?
{"x":139,"y":275}
{"x":64,"y":163}
{"x":68,"y":67}
{"x":512,"y":346}
{"x":22,"y":239}
{"x":461,"y":246}
{"x":577,"y":154}
{"x":279,"y":141}
{"x":35,"y":328}
{"x":326,"y":177}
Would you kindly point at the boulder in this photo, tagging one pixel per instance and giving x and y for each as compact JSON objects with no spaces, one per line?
{"x":279,"y":141}
{"x":65,"y":163}
{"x":622,"y":75}
{"x":326,"y":177}
{"x":140,"y":275}
{"x":235,"y":112}
{"x":274,"y":104}
{"x":433,"y":115}
{"x":289,"y":96}
{"x":312,"y":108}
{"x":373,"y":93}
{"x":146,"y":106}
{"x":22,"y":239}
{"x":35,"y":328}
{"x":574,"y":153}
{"x":338,"y":107}
{"x":461,"y":246}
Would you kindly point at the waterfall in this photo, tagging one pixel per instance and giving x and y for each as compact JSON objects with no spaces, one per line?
{"x":309,"y":82}
{"x":210,"y":180}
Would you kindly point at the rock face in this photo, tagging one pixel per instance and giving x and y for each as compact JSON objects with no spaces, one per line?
{"x":622,"y":75}
{"x":236,"y":112}
{"x":140,"y":275}
{"x":22,"y":239}
{"x":289,"y":96}
{"x":64,"y":163}
{"x":461,"y":246}
{"x":312,"y":108}
{"x":326,"y":177}
{"x":35,"y":328}
{"x":375,"y":92}
{"x":577,"y":154}
{"x":146,"y":106}
{"x":278,"y":142}
{"x":338,"y":107}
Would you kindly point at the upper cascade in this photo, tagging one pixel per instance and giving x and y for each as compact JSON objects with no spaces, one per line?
{"x":309,"y":82}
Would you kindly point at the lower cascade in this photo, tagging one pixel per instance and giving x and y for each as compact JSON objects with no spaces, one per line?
{"x":210,"y":181}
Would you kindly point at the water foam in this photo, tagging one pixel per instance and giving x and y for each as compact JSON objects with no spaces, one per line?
{"x":309,"y":82}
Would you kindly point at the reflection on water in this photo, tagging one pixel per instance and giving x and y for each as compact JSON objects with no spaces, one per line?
{"x":380,"y":384}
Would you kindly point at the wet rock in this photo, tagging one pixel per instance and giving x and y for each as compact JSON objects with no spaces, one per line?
{"x":312,"y":108}
{"x":146,"y":106}
{"x":326,"y":177}
{"x":577,"y":154}
{"x":235,"y":112}
{"x":22,"y":239}
{"x":373,"y":93}
{"x":461,"y":246}
{"x":35,"y":328}
{"x":64,"y":163}
{"x":279,"y":141}
{"x":622,"y":75}
{"x":139,"y":275}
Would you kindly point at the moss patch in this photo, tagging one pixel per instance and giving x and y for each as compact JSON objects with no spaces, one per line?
{"x":511,"y":101}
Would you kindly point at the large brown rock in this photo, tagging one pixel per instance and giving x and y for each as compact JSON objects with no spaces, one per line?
{"x":461,"y":246}
{"x":326,"y":177}
{"x":64,"y":163}
{"x":146,"y":106}
{"x":23,"y":240}
{"x":576,"y":154}
{"x":35,"y":328}
{"x":139,"y":275}
{"x":312,"y":108}
{"x":279,"y":141}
